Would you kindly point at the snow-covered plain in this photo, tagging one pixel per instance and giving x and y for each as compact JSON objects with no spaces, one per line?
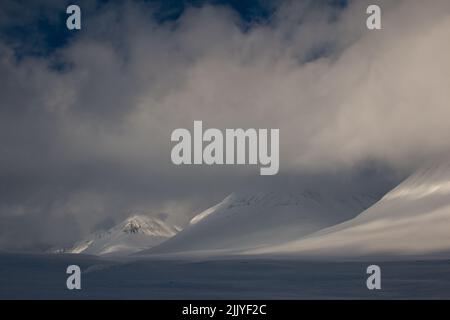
{"x":25,"y":276}
{"x":136,"y":233}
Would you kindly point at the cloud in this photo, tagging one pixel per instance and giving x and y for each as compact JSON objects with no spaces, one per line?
{"x":85,"y":130}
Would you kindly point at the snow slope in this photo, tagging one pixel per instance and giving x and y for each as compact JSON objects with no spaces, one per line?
{"x":411,"y":220}
{"x":136,"y":233}
{"x":39,"y":276}
{"x":248,"y":220}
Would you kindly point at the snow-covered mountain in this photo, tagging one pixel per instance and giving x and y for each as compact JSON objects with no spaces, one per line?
{"x":136,"y":233}
{"x":412,"y":220}
{"x":249,"y":220}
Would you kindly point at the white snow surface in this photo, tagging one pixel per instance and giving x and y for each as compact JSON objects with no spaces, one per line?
{"x":247,"y":220}
{"x":410,"y":221}
{"x":136,"y":233}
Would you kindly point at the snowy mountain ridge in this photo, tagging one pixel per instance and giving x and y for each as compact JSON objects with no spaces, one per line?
{"x":136,"y":233}
{"x":252,"y":219}
{"x":411,"y":220}
{"x":278,"y":199}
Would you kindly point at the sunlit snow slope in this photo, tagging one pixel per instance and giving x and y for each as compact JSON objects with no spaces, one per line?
{"x":250,"y":220}
{"x":136,"y":233}
{"x":411,"y":220}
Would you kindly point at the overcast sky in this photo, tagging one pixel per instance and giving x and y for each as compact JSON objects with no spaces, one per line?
{"x":86,"y":116}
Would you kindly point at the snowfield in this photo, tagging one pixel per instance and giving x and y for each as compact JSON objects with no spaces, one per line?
{"x":26,"y":276}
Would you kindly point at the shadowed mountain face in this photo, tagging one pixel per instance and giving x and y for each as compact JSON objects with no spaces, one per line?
{"x":411,"y":220}
{"x":250,"y":220}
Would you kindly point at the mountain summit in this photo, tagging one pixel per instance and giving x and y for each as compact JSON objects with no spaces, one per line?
{"x":136,"y":233}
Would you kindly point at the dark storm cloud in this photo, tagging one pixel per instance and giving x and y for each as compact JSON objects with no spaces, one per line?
{"x":85,"y":124}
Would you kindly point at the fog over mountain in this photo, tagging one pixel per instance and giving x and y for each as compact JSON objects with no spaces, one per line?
{"x":86,"y":117}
